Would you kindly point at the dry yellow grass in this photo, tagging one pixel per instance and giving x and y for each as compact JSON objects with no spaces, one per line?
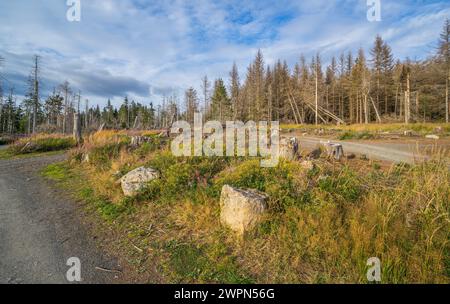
{"x":335,"y":221}
{"x":388,"y":127}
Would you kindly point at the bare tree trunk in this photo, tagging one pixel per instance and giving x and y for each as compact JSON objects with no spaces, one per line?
{"x":36,"y":92}
{"x":446,"y":98}
{"x":407,"y":100}
{"x":86,"y":116}
{"x":317,"y":98}
{"x":77,"y":127}
{"x":366,"y":110}
{"x":417,"y":104}
{"x":396,"y":102}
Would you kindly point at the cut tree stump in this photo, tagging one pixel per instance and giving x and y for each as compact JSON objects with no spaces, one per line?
{"x":137,"y":141}
{"x":335,"y":151}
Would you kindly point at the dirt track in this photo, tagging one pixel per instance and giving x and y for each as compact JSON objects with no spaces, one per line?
{"x":392,"y":151}
{"x":40,"y":229}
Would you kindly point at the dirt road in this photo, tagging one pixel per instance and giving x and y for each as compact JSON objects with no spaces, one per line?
{"x":406,"y":151}
{"x":40,"y":229}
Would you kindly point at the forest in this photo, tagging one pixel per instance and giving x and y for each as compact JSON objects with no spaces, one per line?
{"x":354,"y":88}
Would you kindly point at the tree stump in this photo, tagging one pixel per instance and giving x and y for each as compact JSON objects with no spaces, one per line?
{"x":335,"y":151}
{"x":137,"y":141}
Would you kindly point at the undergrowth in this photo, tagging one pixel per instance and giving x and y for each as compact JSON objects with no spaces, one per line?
{"x":322,"y":225}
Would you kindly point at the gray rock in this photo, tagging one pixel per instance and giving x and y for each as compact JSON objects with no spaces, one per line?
{"x":136,"y":180}
{"x":241,"y":209}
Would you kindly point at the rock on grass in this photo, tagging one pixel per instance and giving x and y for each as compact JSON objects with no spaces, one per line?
{"x":137,"y":179}
{"x":241,"y":209}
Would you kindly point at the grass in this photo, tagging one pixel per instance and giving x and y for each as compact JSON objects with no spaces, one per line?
{"x":356,"y":135}
{"x":369,"y":131}
{"x":40,"y":144}
{"x":189,"y":263}
{"x":5,"y":154}
{"x":37,"y":145}
{"x":6,"y":140}
{"x":322,"y":225}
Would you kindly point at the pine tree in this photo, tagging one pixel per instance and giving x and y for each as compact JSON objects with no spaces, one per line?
{"x":191,"y":101}
{"x":53,"y":107}
{"x":235,"y":87}
{"x":220,"y":103}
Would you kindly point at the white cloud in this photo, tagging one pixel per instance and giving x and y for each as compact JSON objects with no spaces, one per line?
{"x":172,"y":44}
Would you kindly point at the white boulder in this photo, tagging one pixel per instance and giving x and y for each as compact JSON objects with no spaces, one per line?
{"x":241,"y":209}
{"x":136,"y":180}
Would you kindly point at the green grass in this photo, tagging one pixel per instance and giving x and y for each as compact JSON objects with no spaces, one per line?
{"x":107,"y":210}
{"x":5,"y":154}
{"x":189,"y":263}
{"x":370,"y":131}
{"x":356,"y":135}
{"x":57,"y":172}
{"x":40,"y":144}
{"x":62,"y":173}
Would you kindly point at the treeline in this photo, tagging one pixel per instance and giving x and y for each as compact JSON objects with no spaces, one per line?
{"x":65,"y":107}
{"x":353,"y":88}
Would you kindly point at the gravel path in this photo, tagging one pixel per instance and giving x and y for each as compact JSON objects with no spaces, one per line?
{"x":386,"y":151}
{"x":40,"y":229}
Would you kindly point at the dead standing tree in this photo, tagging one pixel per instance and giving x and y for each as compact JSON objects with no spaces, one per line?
{"x":66,"y":92}
{"x":77,"y":122}
{"x":35,"y":90}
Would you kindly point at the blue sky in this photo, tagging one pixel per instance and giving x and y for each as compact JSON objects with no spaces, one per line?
{"x":145,"y":49}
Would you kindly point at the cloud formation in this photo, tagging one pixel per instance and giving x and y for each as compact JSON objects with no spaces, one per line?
{"x":146,"y":49}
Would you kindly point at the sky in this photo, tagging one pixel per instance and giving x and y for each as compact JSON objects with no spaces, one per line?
{"x":149,"y":49}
